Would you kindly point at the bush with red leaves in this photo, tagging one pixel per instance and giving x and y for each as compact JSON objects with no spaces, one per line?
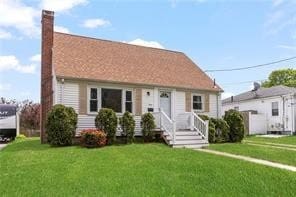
{"x":93,"y":138}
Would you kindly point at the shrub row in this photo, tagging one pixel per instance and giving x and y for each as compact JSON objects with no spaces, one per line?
{"x":62,"y":121}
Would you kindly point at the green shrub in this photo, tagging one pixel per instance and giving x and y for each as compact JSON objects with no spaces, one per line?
{"x":61,"y":125}
{"x":20,"y":137}
{"x":106,"y":120}
{"x":93,"y":138}
{"x":127,"y":124}
{"x":212,"y":132}
{"x":222,"y":130}
{"x":148,"y":126}
{"x":236,"y":125}
{"x":203,"y":117}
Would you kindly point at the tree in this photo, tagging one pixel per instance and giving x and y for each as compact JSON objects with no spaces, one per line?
{"x":30,"y":116}
{"x":285,"y":77}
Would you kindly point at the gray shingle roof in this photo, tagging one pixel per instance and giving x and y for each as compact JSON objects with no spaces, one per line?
{"x":261,"y":93}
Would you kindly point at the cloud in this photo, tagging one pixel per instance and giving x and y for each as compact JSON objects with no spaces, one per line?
{"x":61,"y":5}
{"x":95,"y":22}
{"x":61,"y":29}
{"x":5,"y":34}
{"x":19,"y":16}
{"x":282,"y":17}
{"x":36,"y":58}
{"x":145,"y":43}
{"x":276,"y":3}
{"x":226,"y":95}
{"x":5,"y":87}
{"x":289,"y":47}
{"x":10,"y":62}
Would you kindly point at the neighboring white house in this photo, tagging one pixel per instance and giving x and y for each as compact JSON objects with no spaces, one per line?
{"x":270,"y":110}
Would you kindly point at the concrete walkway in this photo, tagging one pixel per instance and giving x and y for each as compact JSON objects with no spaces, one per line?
{"x":2,"y":146}
{"x":250,"y":159}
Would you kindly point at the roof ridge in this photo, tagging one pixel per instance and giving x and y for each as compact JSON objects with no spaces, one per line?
{"x":118,"y":42}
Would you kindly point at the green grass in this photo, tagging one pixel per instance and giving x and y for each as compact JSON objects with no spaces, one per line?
{"x":259,"y":152}
{"x":30,"y":169}
{"x":282,"y":140}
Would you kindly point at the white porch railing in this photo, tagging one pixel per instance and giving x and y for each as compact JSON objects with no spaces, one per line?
{"x":187,"y":120}
{"x":165,"y":123}
{"x":200,"y":125}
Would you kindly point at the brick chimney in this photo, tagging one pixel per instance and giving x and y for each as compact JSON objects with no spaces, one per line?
{"x":46,"y":99}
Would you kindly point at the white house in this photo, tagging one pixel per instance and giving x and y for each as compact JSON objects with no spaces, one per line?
{"x":269,"y":110}
{"x":89,"y":74}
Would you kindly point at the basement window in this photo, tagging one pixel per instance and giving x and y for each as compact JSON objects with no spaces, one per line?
{"x":275,"y":108}
{"x":197,"y":102}
{"x":112,"y":99}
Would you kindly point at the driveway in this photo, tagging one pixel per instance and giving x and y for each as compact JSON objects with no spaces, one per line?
{"x":2,"y":146}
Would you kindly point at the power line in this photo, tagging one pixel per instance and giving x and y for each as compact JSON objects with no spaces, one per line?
{"x":250,"y":67}
{"x":241,"y":82}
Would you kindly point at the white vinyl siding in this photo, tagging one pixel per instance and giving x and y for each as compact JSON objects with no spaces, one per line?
{"x":180,"y":102}
{"x":68,"y":95}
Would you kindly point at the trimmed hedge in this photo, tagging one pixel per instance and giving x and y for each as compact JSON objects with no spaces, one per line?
{"x":91,"y":138}
{"x":106,"y":120}
{"x":148,"y":126}
{"x":127,"y":124}
{"x":236,"y":125}
{"x":61,"y":125}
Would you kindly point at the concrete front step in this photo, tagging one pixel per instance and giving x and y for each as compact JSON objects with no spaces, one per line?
{"x":185,"y":137}
{"x":187,"y":142}
{"x":182,"y":133}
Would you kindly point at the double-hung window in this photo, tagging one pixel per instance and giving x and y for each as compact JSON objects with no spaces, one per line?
{"x":93,"y":102}
{"x":197,"y":102}
{"x":275,"y":108}
{"x":129,"y":101}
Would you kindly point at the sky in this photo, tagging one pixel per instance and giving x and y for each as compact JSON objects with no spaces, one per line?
{"x":214,"y":34}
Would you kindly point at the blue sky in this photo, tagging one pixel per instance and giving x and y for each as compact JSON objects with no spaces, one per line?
{"x":214,"y":34}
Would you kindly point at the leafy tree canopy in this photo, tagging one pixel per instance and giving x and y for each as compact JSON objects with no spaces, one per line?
{"x":285,"y":77}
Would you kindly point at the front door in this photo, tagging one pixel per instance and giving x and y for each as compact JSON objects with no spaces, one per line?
{"x":165,"y":102}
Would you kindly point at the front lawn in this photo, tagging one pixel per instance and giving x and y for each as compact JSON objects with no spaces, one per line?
{"x":266,"y":153}
{"x":30,"y":169}
{"x":290,"y":140}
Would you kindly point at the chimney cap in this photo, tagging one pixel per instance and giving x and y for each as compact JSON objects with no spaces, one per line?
{"x":47,"y":13}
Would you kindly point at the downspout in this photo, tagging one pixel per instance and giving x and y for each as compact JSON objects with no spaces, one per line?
{"x":217,"y":101}
{"x":283,"y":118}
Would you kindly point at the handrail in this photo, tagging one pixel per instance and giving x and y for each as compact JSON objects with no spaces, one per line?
{"x":168,"y":125}
{"x":200,"y":125}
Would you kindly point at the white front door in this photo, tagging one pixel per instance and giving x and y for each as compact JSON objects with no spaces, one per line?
{"x":165,"y":102}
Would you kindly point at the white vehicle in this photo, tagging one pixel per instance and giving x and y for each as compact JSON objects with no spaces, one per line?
{"x":8,"y":122}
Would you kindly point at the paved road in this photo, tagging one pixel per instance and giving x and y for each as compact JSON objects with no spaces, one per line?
{"x":2,"y":146}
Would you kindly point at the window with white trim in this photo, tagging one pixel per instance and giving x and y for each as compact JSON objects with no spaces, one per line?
{"x":197,"y":102}
{"x":93,"y":102}
{"x":275,"y":108}
{"x":129,"y":101}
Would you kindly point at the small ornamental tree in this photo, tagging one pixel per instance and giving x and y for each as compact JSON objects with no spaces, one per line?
{"x":148,"y":126}
{"x":30,"y":117}
{"x":127,"y":124}
{"x":61,"y":125}
{"x":236,"y":125}
{"x":106,"y":120}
